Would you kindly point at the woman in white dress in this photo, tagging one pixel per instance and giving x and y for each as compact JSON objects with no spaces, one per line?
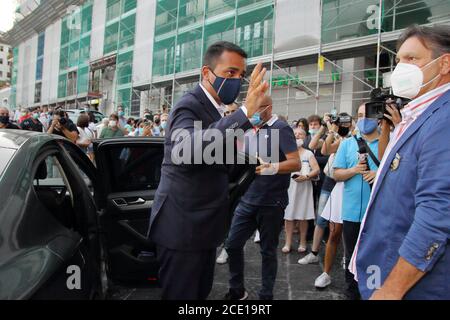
{"x":301,"y":202}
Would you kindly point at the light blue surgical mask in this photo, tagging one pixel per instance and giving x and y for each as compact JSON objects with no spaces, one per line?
{"x":313,"y":132}
{"x":256,"y":119}
{"x":367,"y":126}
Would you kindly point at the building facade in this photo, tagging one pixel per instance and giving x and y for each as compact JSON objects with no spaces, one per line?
{"x":321,"y":54}
{"x":5,"y":64}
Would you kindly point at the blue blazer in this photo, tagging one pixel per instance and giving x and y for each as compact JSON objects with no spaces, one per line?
{"x":409,"y":215}
{"x":190,"y":209}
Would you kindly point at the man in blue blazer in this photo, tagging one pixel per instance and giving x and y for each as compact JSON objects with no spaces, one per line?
{"x":190,"y":210}
{"x":403,"y":250}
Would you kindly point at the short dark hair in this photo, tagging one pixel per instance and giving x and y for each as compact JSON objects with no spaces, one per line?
{"x":216,"y":50}
{"x":91,"y":117}
{"x":314,"y":118}
{"x":115,"y":116}
{"x":435,"y":38}
{"x":303,"y":121}
{"x":83,"y":121}
{"x":60,"y":113}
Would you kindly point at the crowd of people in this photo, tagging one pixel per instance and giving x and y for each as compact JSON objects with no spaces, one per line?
{"x":377,"y":182}
{"x":86,"y":128}
{"x":329,"y":172}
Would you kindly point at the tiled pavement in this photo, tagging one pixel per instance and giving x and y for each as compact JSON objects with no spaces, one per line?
{"x":294,"y":281}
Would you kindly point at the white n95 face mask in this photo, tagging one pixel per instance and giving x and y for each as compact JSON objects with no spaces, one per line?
{"x":407,"y":80}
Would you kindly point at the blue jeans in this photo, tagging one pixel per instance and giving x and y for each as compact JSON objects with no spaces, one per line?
{"x":247,"y":218}
{"x":320,"y":221}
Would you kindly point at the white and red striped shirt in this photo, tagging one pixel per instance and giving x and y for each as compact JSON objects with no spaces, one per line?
{"x":409,"y":114}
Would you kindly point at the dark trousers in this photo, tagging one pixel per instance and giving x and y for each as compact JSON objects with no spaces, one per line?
{"x":186,"y":275}
{"x":247,"y":218}
{"x":351,"y":232}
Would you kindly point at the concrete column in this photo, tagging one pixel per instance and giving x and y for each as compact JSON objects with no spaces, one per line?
{"x":98,"y":29}
{"x":50,"y":70}
{"x":350,"y":101}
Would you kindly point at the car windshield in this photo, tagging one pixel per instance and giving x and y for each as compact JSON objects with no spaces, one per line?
{"x":5,"y":156}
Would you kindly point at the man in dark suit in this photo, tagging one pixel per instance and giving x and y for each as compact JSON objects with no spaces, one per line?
{"x":190,"y":210}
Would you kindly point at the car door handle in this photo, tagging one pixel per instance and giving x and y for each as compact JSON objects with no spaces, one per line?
{"x":138,"y":201}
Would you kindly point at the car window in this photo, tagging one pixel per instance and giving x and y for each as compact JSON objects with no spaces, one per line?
{"x":5,"y":157}
{"x":98,"y":117}
{"x":53,"y":190}
{"x":134,"y":168}
{"x":72,"y":116}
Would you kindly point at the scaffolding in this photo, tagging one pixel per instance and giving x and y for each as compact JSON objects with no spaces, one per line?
{"x":304,"y":81}
{"x":168,"y":59}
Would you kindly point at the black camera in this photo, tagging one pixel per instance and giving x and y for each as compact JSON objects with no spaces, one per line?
{"x":340,"y":119}
{"x":62,"y":121}
{"x":379,"y":98}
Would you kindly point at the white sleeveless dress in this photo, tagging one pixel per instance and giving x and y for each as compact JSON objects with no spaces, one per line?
{"x":333,"y":209}
{"x":301,"y":201}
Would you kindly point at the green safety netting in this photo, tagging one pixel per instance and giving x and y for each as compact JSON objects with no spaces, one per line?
{"x":124,"y":97}
{"x":346,"y":19}
{"x":182,"y":34}
{"x":124,"y":68}
{"x":75,"y":51}
{"x":83,"y":80}
{"x":127,"y":32}
{"x":111,"y":38}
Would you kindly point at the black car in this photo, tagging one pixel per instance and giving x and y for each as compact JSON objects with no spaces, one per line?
{"x":69,"y":229}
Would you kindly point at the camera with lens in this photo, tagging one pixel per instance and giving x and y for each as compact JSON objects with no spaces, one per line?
{"x":62,"y":121}
{"x":340,"y":119}
{"x":379,"y":98}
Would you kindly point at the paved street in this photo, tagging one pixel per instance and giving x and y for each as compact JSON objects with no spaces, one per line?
{"x":294,"y":281}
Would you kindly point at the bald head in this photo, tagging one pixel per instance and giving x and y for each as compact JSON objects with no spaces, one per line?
{"x":4,"y":111}
{"x":266,"y":108}
{"x":266,"y":101}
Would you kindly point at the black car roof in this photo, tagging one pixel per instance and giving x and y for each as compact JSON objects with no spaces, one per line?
{"x":14,"y":139}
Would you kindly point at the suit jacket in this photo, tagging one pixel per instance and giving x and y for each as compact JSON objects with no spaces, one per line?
{"x":190,"y":209}
{"x":409,"y":215}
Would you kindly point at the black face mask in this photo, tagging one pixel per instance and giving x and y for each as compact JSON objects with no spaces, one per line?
{"x":227,"y":89}
{"x":4,"y":119}
{"x":343,"y":131}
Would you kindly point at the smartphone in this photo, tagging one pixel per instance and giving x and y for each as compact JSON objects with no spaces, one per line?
{"x":295,"y":176}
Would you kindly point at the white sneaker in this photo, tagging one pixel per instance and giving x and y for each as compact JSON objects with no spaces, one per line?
{"x":322,"y":281}
{"x":257,"y":239}
{"x":309,"y":258}
{"x":223,"y":257}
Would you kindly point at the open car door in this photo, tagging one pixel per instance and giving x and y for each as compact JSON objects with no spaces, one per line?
{"x":129,"y":170}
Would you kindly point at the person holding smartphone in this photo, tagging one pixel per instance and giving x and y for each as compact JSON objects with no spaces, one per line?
{"x":301,"y":201}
